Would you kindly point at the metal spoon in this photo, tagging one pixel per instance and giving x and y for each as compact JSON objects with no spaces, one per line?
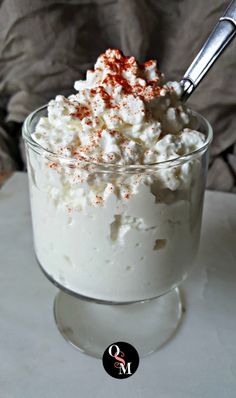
{"x":216,"y":43}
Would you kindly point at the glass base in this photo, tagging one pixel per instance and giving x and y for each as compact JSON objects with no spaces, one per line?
{"x":92,"y":327}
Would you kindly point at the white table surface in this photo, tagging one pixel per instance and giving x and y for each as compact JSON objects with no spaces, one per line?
{"x":35,"y":361}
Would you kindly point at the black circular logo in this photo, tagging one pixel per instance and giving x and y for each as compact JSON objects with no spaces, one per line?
{"x":120,"y":360}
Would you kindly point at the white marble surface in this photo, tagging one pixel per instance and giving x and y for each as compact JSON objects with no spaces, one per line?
{"x":35,"y":361}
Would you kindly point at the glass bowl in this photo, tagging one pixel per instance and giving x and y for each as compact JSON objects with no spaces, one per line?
{"x":116,"y":240}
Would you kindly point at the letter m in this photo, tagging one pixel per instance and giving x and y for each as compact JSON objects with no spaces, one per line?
{"x":124,"y":369}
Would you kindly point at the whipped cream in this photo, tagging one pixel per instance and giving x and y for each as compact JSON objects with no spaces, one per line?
{"x":102,"y":228}
{"x":123,"y":113}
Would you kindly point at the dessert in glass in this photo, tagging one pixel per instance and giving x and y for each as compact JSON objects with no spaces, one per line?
{"x":117,"y":176}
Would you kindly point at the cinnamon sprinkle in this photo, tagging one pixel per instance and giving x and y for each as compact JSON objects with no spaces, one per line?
{"x":99,"y":133}
{"x":53,"y":165}
{"x":81,"y":112}
{"x":99,"y":199}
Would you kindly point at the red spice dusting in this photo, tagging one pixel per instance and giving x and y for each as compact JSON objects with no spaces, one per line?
{"x":102,"y":92}
{"x":53,"y":165}
{"x":117,"y":79}
{"x":81,"y":112}
{"x":153,"y":82}
{"x":117,"y":62}
{"x":147,"y":64}
{"x":105,"y":96}
{"x":77,"y":155}
{"x":112,"y":132}
{"x":111,"y":157}
{"x":99,"y":133}
{"x":99,"y":199}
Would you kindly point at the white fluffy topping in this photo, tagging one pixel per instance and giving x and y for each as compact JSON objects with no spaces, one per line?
{"x":123,"y":113}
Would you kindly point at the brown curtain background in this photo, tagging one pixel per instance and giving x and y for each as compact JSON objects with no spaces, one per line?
{"x":46,"y":45}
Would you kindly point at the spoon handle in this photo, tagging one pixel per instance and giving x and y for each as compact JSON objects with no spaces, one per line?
{"x":218,"y":40}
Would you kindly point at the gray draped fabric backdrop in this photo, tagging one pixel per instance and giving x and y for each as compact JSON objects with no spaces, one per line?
{"x":46,"y":45}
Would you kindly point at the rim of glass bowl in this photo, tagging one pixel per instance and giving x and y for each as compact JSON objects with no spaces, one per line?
{"x":131,"y":168}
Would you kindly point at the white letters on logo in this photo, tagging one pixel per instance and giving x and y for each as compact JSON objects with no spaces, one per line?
{"x":117,"y":350}
{"x":123,"y":368}
{"x":121,"y":364}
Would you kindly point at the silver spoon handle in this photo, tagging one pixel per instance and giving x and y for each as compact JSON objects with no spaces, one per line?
{"x":218,"y":40}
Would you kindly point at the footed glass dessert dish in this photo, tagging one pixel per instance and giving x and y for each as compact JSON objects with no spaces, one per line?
{"x":117,"y":240}
{"x":117,"y":176}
